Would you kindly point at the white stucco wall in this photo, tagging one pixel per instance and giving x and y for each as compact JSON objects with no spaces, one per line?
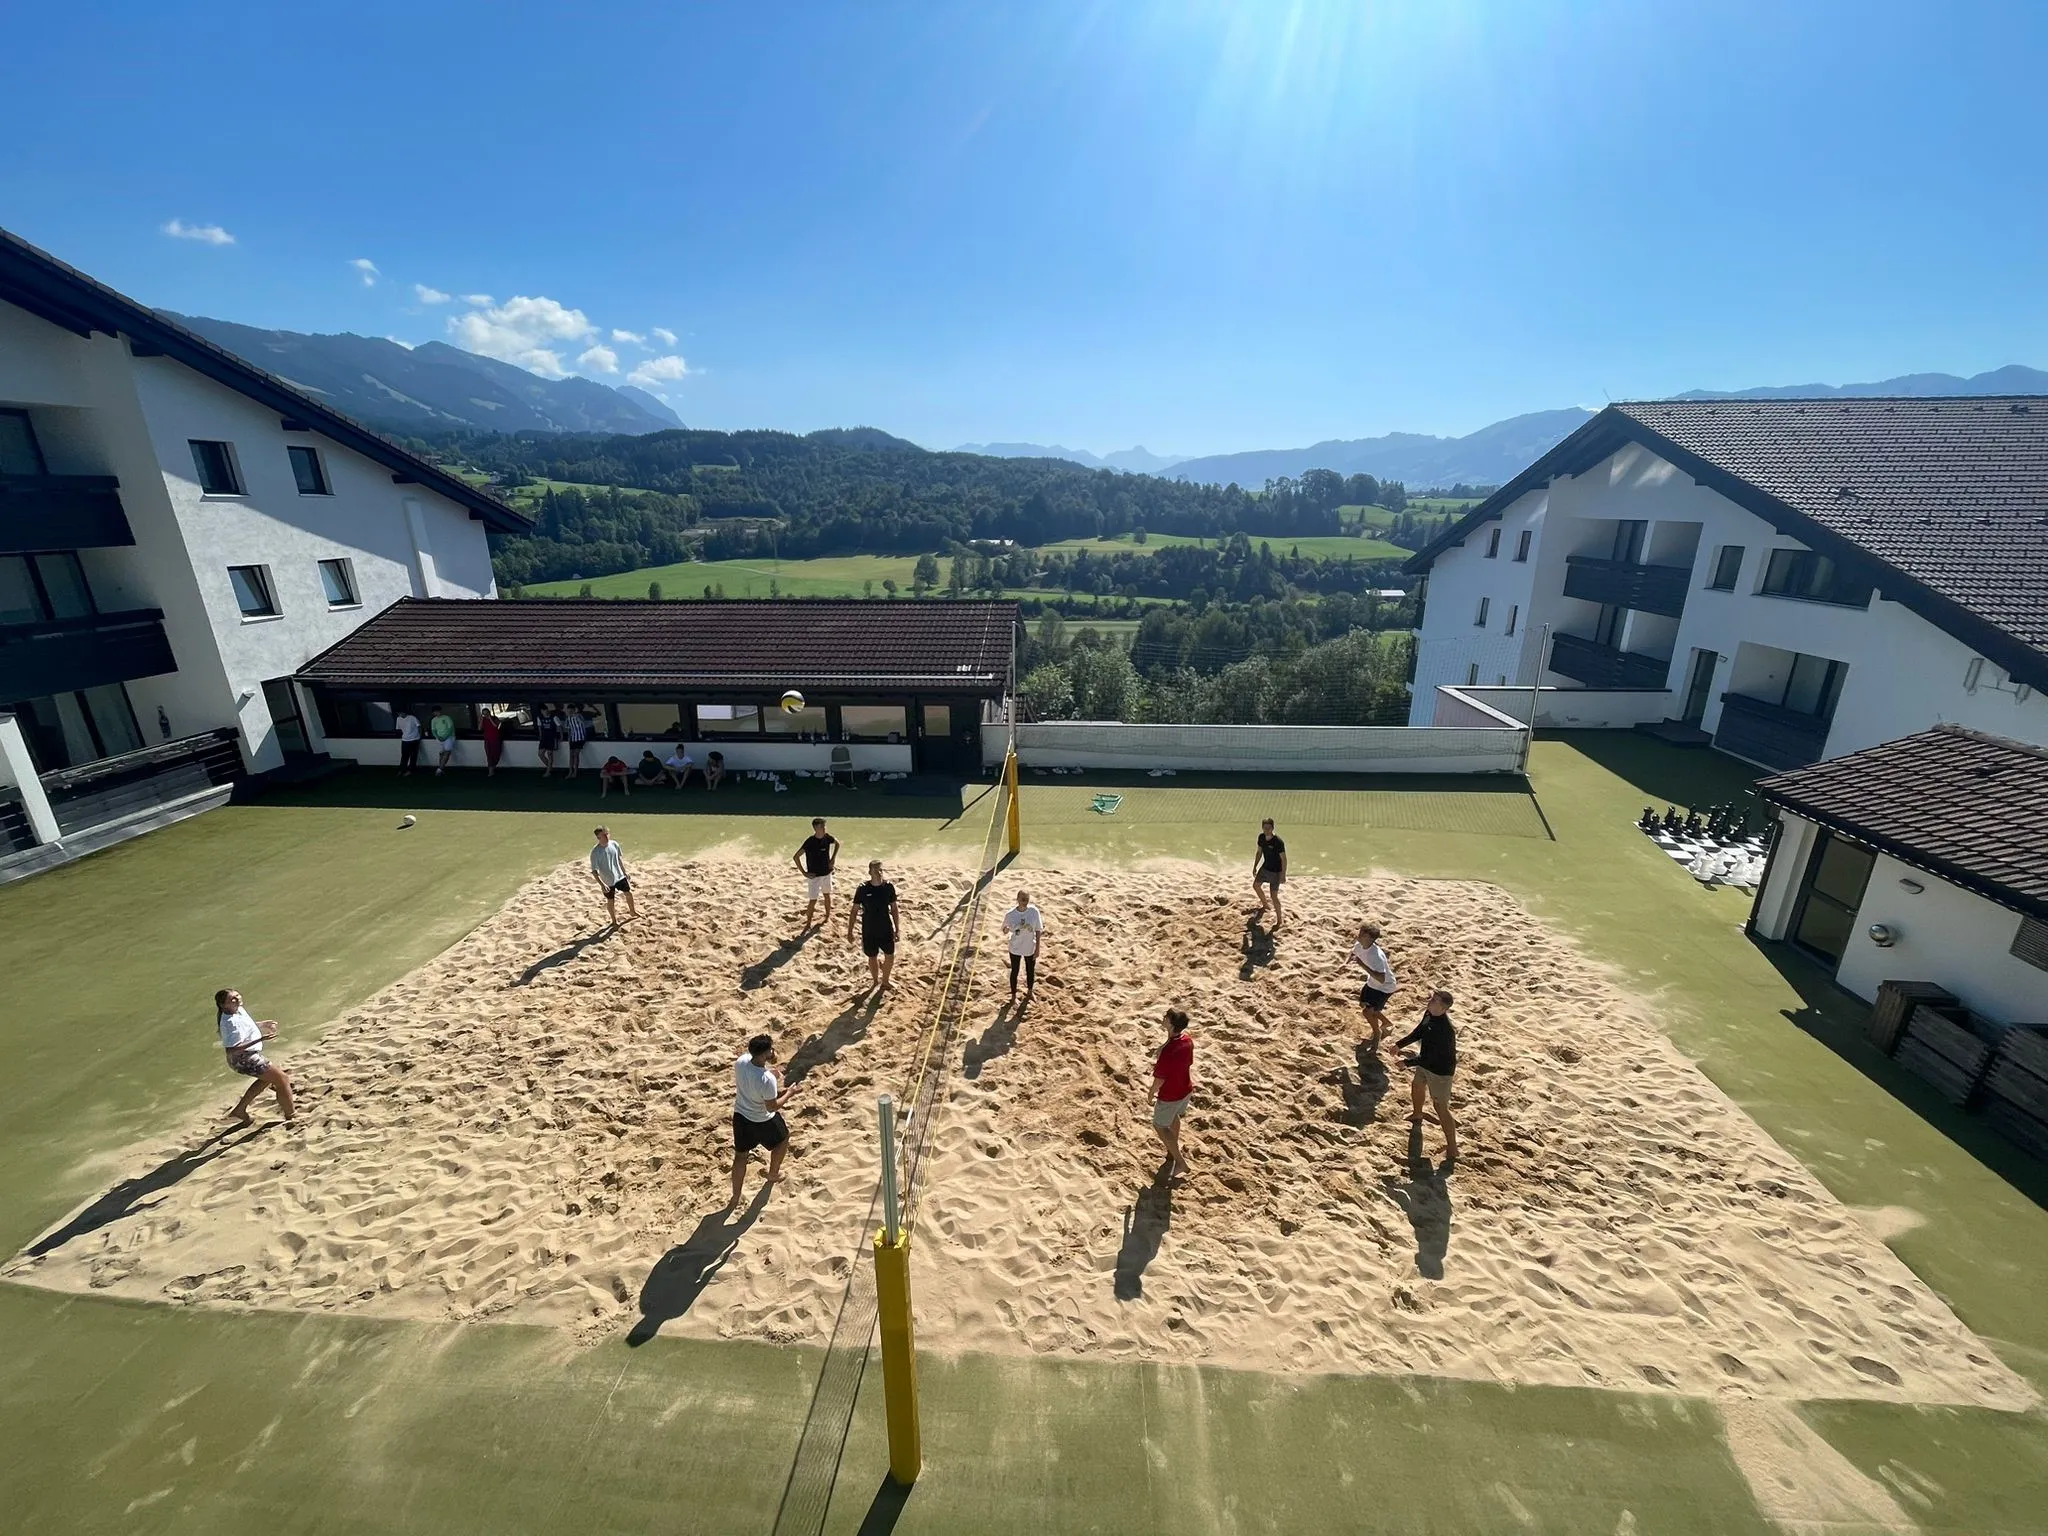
{"x":1948,"y":936}
{"x":1904,"y":673}
{"x":1450,"y":642}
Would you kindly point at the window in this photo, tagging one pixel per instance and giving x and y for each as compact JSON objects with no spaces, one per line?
{"x":1628,"y":540}
{"x":1522,"y":543}
{"x":308,"y":471}
{"x":1472,"y":675}
{"x":39,"y":587}
{"x":252,"y":591}
{"x":1484,"y":603}
{"x":728,"y":719}
{"x":1493,"y":542}
{"x":1514,"y":613}
{"x":938,"y":719}
{"x":19,"y":452}
{"x":652,"y":722}
{"x":339,"y":578}
{"x":808,"y":721}
{"x":1813,"y":578}
{"x":216,"y":465}
{"x":1813,"y":685}
{"x":871,"y":722}
{"x":1727,"y":568}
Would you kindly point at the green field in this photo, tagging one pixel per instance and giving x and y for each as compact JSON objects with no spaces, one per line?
{"x":173,"y":1419}
{"x":1313,"y":547}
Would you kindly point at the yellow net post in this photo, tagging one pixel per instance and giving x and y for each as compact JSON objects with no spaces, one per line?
{"x":1010,"y":784}
{"x":899,"y":1357}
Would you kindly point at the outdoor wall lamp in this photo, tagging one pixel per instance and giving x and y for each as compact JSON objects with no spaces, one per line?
{"x":1913,"y":885}
{"x":1883,"y":935}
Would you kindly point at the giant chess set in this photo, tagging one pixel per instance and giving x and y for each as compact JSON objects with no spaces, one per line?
{"x":1717,"y":848}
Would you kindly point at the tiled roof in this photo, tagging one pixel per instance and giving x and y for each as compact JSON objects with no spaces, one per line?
{"x":531,"y":647}
{"x":34,"y":280}
{"x":1953,"y":492}
{"x":1968,"y":807}
{"x":1942,"y":503}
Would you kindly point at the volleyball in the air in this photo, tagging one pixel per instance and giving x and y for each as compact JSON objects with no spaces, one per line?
{"x":792,"y":702}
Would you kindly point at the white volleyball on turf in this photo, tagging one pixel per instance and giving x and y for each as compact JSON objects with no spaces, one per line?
{"x":792,"y":702}
{"x":409,"y":821}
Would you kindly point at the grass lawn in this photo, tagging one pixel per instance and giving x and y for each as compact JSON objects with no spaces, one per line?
{"x":166,"y":1419}
{"x":529,"y":495}
{"x":1313,"y":547}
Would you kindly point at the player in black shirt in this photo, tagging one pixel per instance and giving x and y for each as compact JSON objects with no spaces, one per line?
{"x":1269,"y":871}
{"x":815,"y":861}
{"x":874,"y":907}
{"x":1435,"y":1040}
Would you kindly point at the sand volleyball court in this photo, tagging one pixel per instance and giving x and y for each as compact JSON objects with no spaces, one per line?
{"x":533,"y":1128}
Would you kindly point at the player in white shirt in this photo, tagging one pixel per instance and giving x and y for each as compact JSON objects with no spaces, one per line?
{"x":242,"y":1038}
{"x":1025,"y":925}
{"x":758,"y":1097}
{"x":1380,"y":980}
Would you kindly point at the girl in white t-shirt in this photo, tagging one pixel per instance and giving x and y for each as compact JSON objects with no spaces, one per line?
{"x":1025,"y":924}
{"x":242,"y":1038}
{"x":1380,"y":980}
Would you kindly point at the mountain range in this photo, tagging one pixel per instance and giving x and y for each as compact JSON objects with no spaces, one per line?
{"x":1498,"y":452}
{"x":1136,"y":461}
{"x":434,"y":387}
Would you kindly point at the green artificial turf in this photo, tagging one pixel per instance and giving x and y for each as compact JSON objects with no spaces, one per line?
{"x":132,"y":1418}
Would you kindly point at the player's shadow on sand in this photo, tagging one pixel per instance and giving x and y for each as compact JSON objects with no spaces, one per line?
{"x":1362,"y":1095}
{"x":1260,"y":945}
{"x":1426,"y":1201}
{"x":680,"y":1275}
{"x":848,"y":1027}
{"x":563,"y":955}
{"x":127,"y":1197}
{"x":996,"y":1040}
{"x":755,"y":976}
{"x":1145,"y":1225}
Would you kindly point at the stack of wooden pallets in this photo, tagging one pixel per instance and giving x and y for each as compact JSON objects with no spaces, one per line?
{"x":1949,"y":1048}
{"x":2016,"y":1087}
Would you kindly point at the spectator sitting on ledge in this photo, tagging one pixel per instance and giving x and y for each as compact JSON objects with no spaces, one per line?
{"x":613,"y":772}
{"x":650,"y":770}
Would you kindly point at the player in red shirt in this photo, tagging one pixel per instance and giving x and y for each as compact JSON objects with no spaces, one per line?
{"x":1173,"y":1080}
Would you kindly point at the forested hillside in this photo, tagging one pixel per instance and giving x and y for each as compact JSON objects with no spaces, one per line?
{"x":740,"y":494}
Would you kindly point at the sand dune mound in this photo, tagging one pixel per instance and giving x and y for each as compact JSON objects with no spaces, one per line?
{"x":533,"y":1128}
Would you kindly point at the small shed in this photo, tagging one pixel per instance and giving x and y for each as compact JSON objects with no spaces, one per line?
{"x":1924,"y":859}
{"x":904,"y":685}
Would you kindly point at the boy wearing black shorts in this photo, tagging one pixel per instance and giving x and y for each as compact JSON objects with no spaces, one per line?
{"x":758,"y":1097}
{"x":1269,"y":871}
{"x":874,"y":908}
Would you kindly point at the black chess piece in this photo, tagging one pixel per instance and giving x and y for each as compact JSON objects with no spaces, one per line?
{"x":1670,"y":818}
{"x":1648,"y":820}
{"x":1692,"y":824}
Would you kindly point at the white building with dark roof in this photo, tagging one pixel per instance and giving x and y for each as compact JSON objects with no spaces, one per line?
{"x":1792,"y":579}
{"x":179,"y":533}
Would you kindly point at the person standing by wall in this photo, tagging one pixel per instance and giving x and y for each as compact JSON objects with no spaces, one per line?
{"x":408,"y":725}
{"x":442,"y":728}
{"x":494,"y":739}
{"x":577,"y":729}
{"x":1025,"y":924}
{"x":547,"y":727}
{"x":1173,"y":1081}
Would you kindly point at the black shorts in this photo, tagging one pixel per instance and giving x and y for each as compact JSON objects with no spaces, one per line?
{"x":625,"y":884}
{"x":873,"y":944}
{"x":1373,"y":998}
{"x":749,"y":1134}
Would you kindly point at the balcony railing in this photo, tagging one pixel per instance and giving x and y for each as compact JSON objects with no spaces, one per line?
{"x":1769,"y":734}
{"x":144,"y":780}
{"x":1624,"y":584}
{"x":44,"y":512}
{"x":60,"y":655}
{"x":1605,"y":666}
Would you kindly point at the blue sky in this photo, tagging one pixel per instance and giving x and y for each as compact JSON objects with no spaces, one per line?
{"x":1203,"y":227}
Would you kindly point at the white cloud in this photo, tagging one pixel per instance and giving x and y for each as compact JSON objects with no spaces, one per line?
{"x":599,"y":360}
{"x":205,"y":234}
{"x":428,"y":295}
{"x":401,"y":341}
{"x":664,"y":335}
{"x":657,"y":371}
{"x":367,"y":269}
{"x":633,"y":337}
{"x":521,"y":331}
{"x":477,"y":300}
